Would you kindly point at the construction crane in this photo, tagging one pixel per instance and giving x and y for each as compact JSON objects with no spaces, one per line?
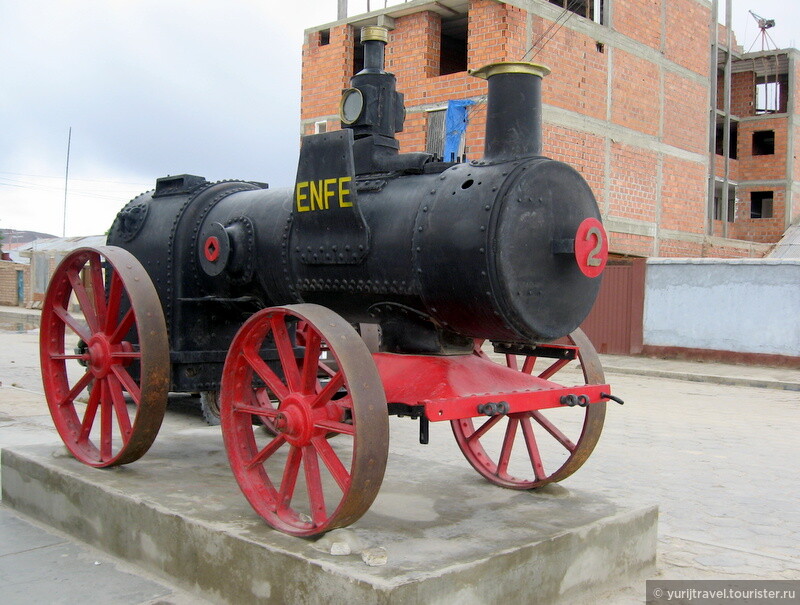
{"x":766,"y":39}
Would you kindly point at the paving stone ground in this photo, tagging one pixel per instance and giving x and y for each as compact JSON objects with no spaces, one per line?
{"x":720,"y":461}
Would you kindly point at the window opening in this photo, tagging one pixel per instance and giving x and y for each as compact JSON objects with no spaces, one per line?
{"x":764,"y":142}
{"x":772,"y":93}
{"x":731,"y":202}
{"x":767,"y":97}
{"x":761,"y":204}
{"x":434,"y":140}
{"x":324,"y":37}
{"x":447,"y":130}
{"x":733,"y":141}
{"x":453,"y":46}
{"x":591,"y":9}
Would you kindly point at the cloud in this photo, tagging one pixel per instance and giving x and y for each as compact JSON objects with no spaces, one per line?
{"x":149,"y":89}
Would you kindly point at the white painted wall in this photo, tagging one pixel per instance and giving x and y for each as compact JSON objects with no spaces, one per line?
{"x":741,"y":305}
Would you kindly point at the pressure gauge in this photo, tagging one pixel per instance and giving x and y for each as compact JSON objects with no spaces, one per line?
{"x":351,"y":105}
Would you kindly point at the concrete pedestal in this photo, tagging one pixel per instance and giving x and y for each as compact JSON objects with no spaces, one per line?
{"x":450,"y":536}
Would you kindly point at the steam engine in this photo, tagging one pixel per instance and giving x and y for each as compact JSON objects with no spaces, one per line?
{"x":235,"y":289}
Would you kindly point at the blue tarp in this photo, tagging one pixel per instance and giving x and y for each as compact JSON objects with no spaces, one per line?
{"x":455,"y":124}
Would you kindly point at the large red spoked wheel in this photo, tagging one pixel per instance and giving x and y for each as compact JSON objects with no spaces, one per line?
{"x":532,"y":449}
{"x":105,"y":366}
{"x":298,"y":480}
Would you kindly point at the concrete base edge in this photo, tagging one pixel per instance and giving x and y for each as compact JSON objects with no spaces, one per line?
{"x":596,"y":546}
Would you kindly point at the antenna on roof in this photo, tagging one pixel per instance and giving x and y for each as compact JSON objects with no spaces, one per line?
{"x":766,"y":39}
{"x":66,"y":180}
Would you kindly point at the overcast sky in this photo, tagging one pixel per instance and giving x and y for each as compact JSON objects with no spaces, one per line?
{"x":156,"y":87}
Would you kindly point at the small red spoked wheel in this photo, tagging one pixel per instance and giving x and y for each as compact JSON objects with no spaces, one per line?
{"x":532,"y":449}
{"x":298,"y":480}
{"x":111,"y":356}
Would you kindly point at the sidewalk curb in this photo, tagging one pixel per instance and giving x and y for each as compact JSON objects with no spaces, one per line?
{"x":24,"y":315}
{"x":709,"y":378}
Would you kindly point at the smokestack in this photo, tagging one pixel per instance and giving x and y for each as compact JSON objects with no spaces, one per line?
{"x":374,"y":40}
{"x":514,"y":109}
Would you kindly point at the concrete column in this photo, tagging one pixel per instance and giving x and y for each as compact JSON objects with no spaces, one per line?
{"x":726,"y":129}
{"x":712,"y":116}
{"x":791,"y":142}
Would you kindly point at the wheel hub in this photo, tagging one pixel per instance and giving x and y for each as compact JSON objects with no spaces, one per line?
{"x":295,"y":420}
{"x":100,"y":355}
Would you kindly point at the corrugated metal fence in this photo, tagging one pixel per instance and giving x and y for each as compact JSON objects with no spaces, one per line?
{"x":615,"y":323}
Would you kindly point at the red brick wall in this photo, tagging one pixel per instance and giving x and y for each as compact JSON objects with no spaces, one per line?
{"x":413,"y":136}
{"x":683,"y":197}
{"x":413,"y":54}
{"x":633,"y":178}
{"x":687,"y":42}
{"x":796,"y":154}
{"x":766,"y":230}
{"x":639,"y":20}
{"x":636,"y":245}
{"x":762,"y":167}
{"x":743,"y":94}
{"x":579,"y":71}
{"x":684,"y":125}
{"x":583,"y":151}
{"x":326,"y":71}
{"x":723,"y":249}
{"x":634,"y":100}
{"x":733,"y":168}
{"x":497,"y":33}
{"x":674,"y":247}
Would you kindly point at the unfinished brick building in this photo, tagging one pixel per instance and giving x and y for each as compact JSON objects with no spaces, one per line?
{"x":759,"y":163}
{"x":629,"y":104}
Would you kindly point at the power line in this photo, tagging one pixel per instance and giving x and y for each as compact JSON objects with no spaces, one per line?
{"x":104,"y":181}
{"x":568,"y":12}
{"x":35,"y":187}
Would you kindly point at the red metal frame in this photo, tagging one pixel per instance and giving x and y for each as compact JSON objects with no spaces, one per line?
{"x":453,"y":387}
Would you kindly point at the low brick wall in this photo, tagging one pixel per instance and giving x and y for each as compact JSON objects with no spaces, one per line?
{"x":8,"y":283}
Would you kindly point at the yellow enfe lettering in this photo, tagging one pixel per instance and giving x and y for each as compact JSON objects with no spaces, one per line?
{"x":299,"y":197}
{"x":316,"y":195}
{"x":343,"y":192}
{"x":328,"y":192}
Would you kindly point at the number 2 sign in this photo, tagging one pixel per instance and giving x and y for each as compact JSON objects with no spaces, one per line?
{"x":591,"y":247}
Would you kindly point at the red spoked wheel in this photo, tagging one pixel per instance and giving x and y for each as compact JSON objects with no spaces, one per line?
{"x":109,"y":358}
{"x":532,"y":449}
{"x":298,"y":480}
